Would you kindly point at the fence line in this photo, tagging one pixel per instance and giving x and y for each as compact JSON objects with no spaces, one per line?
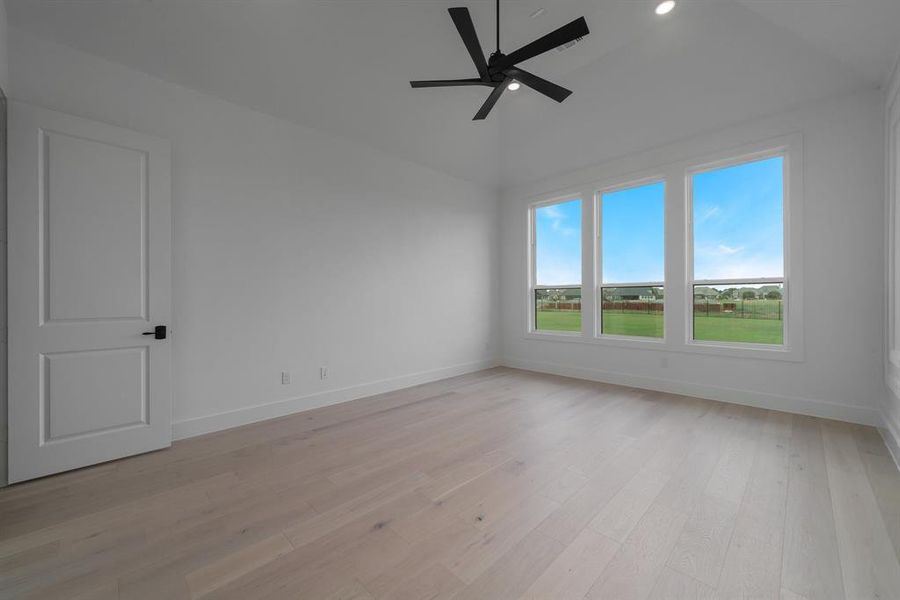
{"x":765,"y":309}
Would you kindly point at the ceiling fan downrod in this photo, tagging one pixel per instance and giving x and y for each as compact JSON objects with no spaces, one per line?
{"x":498,"y":26}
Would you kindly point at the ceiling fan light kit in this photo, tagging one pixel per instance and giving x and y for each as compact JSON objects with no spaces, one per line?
{"x":664,"y":7}
{"x":500,"y":71}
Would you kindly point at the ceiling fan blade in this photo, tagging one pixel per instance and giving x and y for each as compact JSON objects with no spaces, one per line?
{"x":491,"y":100}
{"x":574,"y":30}
{"x":466,"y":28}
{"x":547,"y":88}
{"x":447,"y":83}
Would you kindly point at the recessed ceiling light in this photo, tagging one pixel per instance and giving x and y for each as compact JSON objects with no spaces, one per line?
{"x":665,"y":7}
{"x":513,"y":86}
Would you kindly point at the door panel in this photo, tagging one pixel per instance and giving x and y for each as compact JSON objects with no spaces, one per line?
{"x":93,"y":390}
{"x":89,"y":272}
{"x":105,"y":278}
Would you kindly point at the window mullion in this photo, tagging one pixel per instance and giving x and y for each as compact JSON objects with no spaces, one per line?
{"x":588,"y":268}
{"x":676,"y":241}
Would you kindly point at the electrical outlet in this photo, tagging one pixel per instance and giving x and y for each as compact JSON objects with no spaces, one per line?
{"x":323,"y":372}
{"x":285,"y":378}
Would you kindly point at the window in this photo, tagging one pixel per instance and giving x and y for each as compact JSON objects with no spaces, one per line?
{"x":738,"y":282}
{"x":698,"y":256}
{"x":557,"y":266}
{"x":632,"y":264}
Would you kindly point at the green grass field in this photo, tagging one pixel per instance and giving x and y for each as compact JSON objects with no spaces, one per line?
{"x":719,"y":329}
{"x":552,"y":320}
{"x":633,"y":324}
{"x":729,"y":329}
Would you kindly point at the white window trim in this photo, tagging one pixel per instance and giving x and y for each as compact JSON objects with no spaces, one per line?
{"x":892,"y":224}
{"x":532,"y":268}
{"x":598,"y":258}
{"x":678,"y":254}
{"x":789,"y":150}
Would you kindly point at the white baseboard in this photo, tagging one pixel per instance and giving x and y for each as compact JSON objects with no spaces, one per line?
{"x":890,"y":425}
{"x":890,"y":433}
{"x":792,"y":404}
{"x":804,"y":406}
{"x":261,"y":412}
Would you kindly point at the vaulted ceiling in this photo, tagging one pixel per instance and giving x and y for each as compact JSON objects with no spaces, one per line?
{"x":343,"y":66}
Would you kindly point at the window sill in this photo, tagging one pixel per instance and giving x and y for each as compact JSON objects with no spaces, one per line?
{"x":785,"y":354}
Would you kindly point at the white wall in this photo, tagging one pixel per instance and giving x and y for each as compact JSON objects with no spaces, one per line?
{"x":4,"y":85}
{"x":891,"y":405}
{"x":4,"y":63}
{"x":841,"y":375}
{"x":293,"y":249}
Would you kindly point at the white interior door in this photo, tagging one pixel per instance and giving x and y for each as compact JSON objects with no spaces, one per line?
{"x":90,"y":236}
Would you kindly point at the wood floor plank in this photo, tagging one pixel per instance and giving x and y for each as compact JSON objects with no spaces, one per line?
{"x":868,"y":561}
{"x":434,"y":582}
{"x":576,"y":569}
{"x":625,"y":509}
{"x":605,"y":481}
{"x":412,"y":576}
{"x":106,"y":591}
{"x":633,"y":571}
{"x":500,"y":484}
{"x":563,"y":487}
{"x":690,"y":479}
{"x":352,"y":591}
{"x":216,"y":574}
{"x":811,"y":566}
{"x":732,"y":472}
{"x":673,"y":585}
{"x":752,"y":566}
{"x":753,"y":561}
{"x":515,"y":571}
{"x":885,"y":481}
{"x":309,"y":530}
{"x":700,"y":551}
{"x":474,"y":558}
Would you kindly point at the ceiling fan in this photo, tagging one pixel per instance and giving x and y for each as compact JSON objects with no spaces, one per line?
{"x":499,"y":70}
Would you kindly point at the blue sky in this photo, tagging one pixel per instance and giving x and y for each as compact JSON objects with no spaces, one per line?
{"x":738,"y":229}
{"x":633,"y":223}
{"x":558,"y":251}
{"x":739,"y":221}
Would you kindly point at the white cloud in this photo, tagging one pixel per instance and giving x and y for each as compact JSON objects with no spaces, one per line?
{"x":553,"y":212}
{"x":559,"y":274}
{"x":711,"y":212}
{"x":557,"y":219}
{"x":723,"y":266}
{"x":728,"y":250}
{"x":753,"y":267}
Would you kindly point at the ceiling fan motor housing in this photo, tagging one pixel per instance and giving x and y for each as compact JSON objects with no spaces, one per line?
{"x":496,"y":75}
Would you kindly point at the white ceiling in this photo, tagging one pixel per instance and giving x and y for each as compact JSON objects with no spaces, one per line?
{"x":712,"y":65}
{"x":343,"y":66}
{"x":864,"y":34}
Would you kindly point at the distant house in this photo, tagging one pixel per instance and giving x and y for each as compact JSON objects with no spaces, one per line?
{"x":705,"y":293}
{"x":559,"y":299}
{"x":564,"y":294}
{"x":644,"y":294}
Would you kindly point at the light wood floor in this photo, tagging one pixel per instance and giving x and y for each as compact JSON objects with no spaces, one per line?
{"x":500,"y":484}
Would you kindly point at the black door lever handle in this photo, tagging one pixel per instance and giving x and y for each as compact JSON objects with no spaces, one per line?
{"x":159,"y":332}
